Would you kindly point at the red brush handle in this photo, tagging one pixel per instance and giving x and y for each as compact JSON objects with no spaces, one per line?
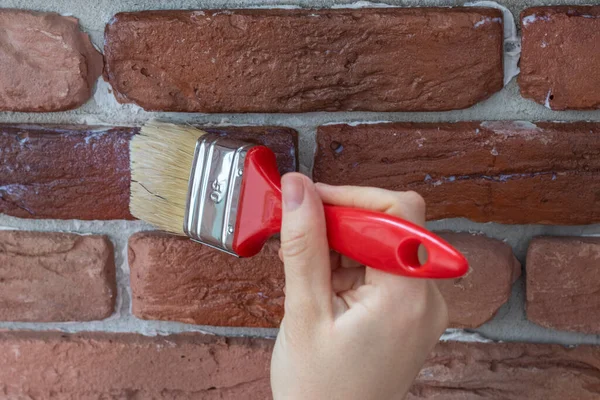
{"x":390,"y":244}
{"x":378,"y":240}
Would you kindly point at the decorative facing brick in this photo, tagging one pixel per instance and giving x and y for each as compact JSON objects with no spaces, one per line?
{"x":501,"y":171}
{"x":563,"y":276}
{"x":81,"y":172}
{"x":174,"y":278}
{"x":476,"y":297}
{"x":458,"y":371}
{"x":196,"y":366}
{"x":90,"y":366}
{"x":560,"y":56}
{"x":391,"y":59}
{"x":47,"y":63}
{"x":56,"y":277}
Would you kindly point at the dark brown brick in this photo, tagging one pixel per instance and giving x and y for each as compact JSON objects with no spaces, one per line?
{"x":562,"y":283}
{"x":560,"y":56}
{"x":81,"y":172}
{"x":47,"y":63}
{"x":91,"y":366}
{"x":70,"y":172}
{"x":394,"y":59}
{"x":509,"y":172}
{"x":48,"y":276}
{"x":173,"y":278}
{"x":461,"y":371}
{"x":476,"y":297}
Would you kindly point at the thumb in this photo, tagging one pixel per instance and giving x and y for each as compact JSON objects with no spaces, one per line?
{"x":304,"y":247}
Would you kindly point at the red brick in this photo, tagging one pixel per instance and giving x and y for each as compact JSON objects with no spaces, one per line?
{"x":461,"y":371}
{"x":560,"y":56}
{"x":394,"y":59}
{"x":562,"y":283}
{"x":93,"y":366}
{"x":173,"y":278}
{"x":48,"y":276}
{"x":475,"y":298}
{"x":72,"y":172}
{"x":81,"y":172}
{"x":509,"y":172}
{"x":47,"y":63}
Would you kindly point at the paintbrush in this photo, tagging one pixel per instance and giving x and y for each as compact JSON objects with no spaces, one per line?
{"x":226,"y":194}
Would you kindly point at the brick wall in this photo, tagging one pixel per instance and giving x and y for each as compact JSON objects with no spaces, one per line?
{"x":401,"y":98}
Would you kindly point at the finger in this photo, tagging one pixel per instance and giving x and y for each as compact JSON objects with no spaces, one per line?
{"x":339,"y":261}
{"x":304,"y":247}
{"x":346,"y":262}
{"x":344,"y":279}
{"x":406,"y":205}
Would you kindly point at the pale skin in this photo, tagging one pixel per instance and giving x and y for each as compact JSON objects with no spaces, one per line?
{"x":349,"y":332}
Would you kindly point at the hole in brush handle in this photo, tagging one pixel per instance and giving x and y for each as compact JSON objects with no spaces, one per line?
{"x":390,"y":244}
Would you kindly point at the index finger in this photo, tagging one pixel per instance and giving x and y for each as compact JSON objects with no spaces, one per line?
{"x":406,"y":205}
{"x":409,"y":206}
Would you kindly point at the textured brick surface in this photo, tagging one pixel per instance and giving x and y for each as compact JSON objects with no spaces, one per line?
{"x":563,"y":277}
{"x":70,"y":172}
{"x":475,"y":298}
{"x":126,"y":366}
{"x":473,"y":371}
{"x":56,"y":277}
{"x":181,"y":367}
{"x":401,"y":59}
{"x":47,"y":63}
{"x":80,"y":172}
{"x":173,"y":278}
{"x":560,"y":57}
{"x":509,"y":172}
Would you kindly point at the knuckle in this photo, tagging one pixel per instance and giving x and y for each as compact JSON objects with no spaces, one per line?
{"x":422,"y":300}
{"x":414,"y":200}
{"x":297,"y":243}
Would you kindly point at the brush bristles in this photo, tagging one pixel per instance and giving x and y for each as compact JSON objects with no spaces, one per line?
{"x":161,"y":161}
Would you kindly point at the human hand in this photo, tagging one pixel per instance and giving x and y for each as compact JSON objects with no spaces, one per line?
{"x":349,"y":331}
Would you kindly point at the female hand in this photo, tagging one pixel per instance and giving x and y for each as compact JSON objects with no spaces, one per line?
{"x":349,"y":331}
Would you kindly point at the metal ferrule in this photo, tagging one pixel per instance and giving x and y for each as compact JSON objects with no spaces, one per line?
{"x":214,"y":191}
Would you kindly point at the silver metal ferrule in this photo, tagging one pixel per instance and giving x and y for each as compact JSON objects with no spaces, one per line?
{"x":214,"y":191}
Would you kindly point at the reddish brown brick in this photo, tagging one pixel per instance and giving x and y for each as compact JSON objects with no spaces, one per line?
{"x":81,"y":172}
{"x":47,"y":276}
{"x":394,"y":59}
{"x":47,"y":63}
{"x":173,"y":278}
{"x":475,"y":298}
{"x":40,"y":365}
{"x":460,"y":371}
{"x":509,"y":172}
{"x":562,"y":283}
{"x":560,"y":57}
{"x":91,"y":366}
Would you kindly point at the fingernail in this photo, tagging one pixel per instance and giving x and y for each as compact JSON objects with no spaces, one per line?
{"x":292,"y":191}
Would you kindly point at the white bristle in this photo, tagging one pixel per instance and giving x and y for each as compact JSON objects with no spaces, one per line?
{"x":161,"y":161}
